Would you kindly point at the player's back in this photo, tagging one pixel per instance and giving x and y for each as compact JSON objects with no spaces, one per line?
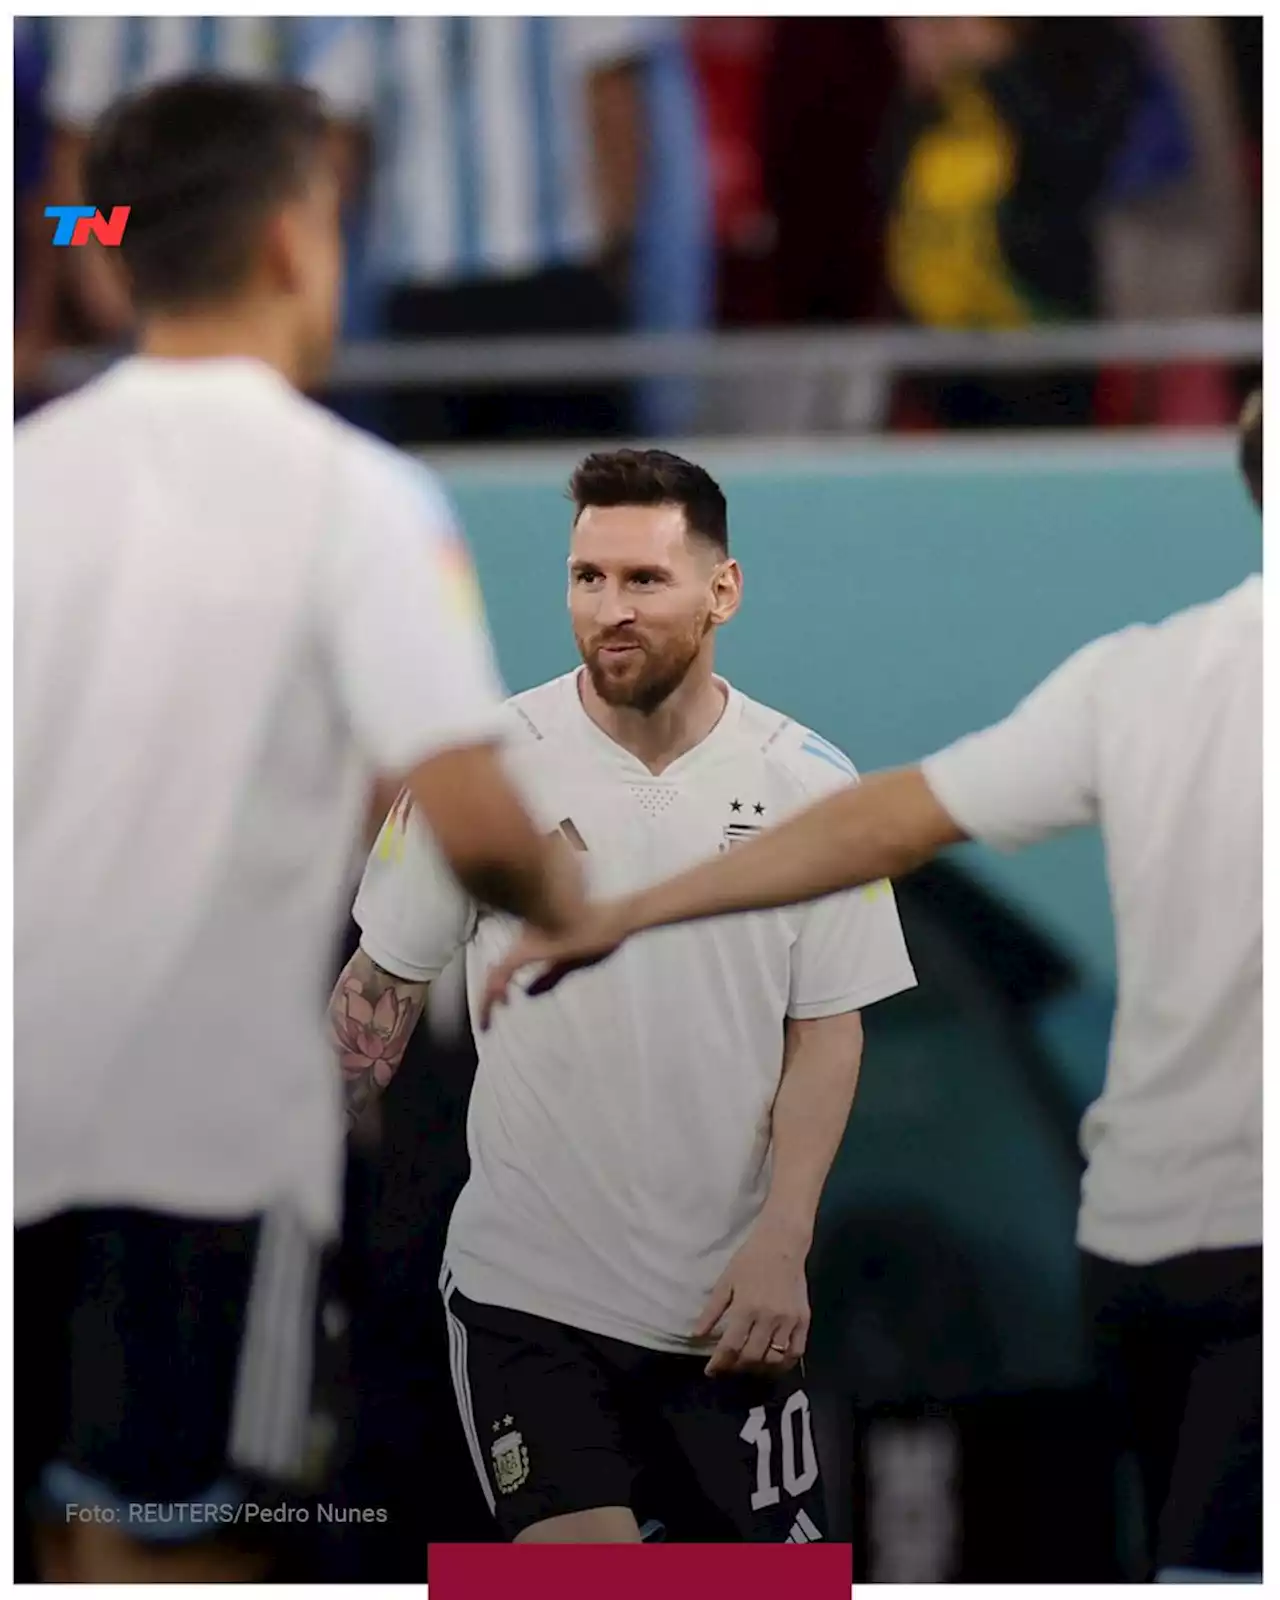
{"x":187,"y":788}
{"x":1179,"y":783}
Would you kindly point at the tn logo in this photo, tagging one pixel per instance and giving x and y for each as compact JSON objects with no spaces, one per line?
{"x":77,"y":224}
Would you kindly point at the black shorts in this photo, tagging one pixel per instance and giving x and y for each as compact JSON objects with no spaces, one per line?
{"x":559,"y":1421}
{"x":164,"y":1369}
{"x":1178,"y":1346}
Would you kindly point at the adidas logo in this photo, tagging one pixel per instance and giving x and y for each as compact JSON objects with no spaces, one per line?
{"x":802,"y":1531}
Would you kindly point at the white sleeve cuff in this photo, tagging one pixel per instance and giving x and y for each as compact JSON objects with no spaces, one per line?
{"x":959,"y":781}
{"x":397,"y":966}
{"x":867,"y":994}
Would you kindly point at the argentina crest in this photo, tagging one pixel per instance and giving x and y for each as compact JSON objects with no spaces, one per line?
{"x":510,"y":1458}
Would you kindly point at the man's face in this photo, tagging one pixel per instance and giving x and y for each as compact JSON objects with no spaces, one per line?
{"x":644,"y":598}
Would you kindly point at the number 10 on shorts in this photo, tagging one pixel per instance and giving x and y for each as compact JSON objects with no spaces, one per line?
{"x":799,"y":1458}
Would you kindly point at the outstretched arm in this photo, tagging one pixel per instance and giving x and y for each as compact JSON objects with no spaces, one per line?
{"x":886,"y":826}
{"x":1026,"y":778}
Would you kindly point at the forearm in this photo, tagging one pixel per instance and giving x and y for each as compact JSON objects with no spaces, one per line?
{"x":884,"y":827}
{"x":812,"y":1107}
{"x":540,"y":887}
{"x":372,"y":1015}
{"x":491,"y":843}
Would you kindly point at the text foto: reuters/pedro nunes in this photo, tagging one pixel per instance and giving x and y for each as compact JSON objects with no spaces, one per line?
{"x":245,"y":1514}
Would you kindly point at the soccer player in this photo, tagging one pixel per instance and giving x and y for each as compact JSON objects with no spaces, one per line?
{"x":1155,"y":734}
{"x":625,"y":1270}
{"x":232,"y":612}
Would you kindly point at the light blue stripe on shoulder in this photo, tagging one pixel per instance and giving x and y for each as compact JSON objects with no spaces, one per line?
{"x":813,"y":746}
{"x":825,"y":743}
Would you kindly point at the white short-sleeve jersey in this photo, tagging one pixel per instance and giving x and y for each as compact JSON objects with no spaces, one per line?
{"x":231,"y":611}
{"x":1155,"y":734}
{"x":620,"y":1127}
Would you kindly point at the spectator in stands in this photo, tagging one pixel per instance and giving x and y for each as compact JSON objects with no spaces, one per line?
{"x":831,"y":86}
{"x":673,"y":269}
{"x":995,"y":163}
{"x":732,"y":57}
{"x":95,"y":59}
{"x":507,"y":160}
{"x":1174,"y":232}
{"x":1244,"y":50}
{"x":795,"y":110}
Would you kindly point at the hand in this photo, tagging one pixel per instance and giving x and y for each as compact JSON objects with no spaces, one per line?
{"x":596,"y":935}
{"x":762,"y":1299}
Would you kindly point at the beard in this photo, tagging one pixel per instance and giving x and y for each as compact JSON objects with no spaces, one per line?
{"x":643,"y":681}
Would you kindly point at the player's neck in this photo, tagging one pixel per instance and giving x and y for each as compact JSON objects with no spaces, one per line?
{"x":251,"y":334}
{"x":683,"y":720}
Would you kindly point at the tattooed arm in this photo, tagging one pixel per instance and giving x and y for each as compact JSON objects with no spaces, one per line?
{"x":372,"y":1015}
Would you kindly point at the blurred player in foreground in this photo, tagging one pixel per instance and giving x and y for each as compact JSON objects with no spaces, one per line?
{"x":232,"y":611}
{"x":625,"y":1269}
{"x":1155,"y":734}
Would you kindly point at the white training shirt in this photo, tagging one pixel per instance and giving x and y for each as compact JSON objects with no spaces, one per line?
{"x":1155,"y":733}
{"x":619,"y":1127}
{"x":231,"y":608}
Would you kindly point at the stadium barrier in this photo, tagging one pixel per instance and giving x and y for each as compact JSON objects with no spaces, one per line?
{"x":836,"y":351}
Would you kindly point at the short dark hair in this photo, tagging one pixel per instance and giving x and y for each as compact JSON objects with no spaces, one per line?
{"x":202,"y":162}
{"x":653,"y":478}
{"x":1251,"y":445}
